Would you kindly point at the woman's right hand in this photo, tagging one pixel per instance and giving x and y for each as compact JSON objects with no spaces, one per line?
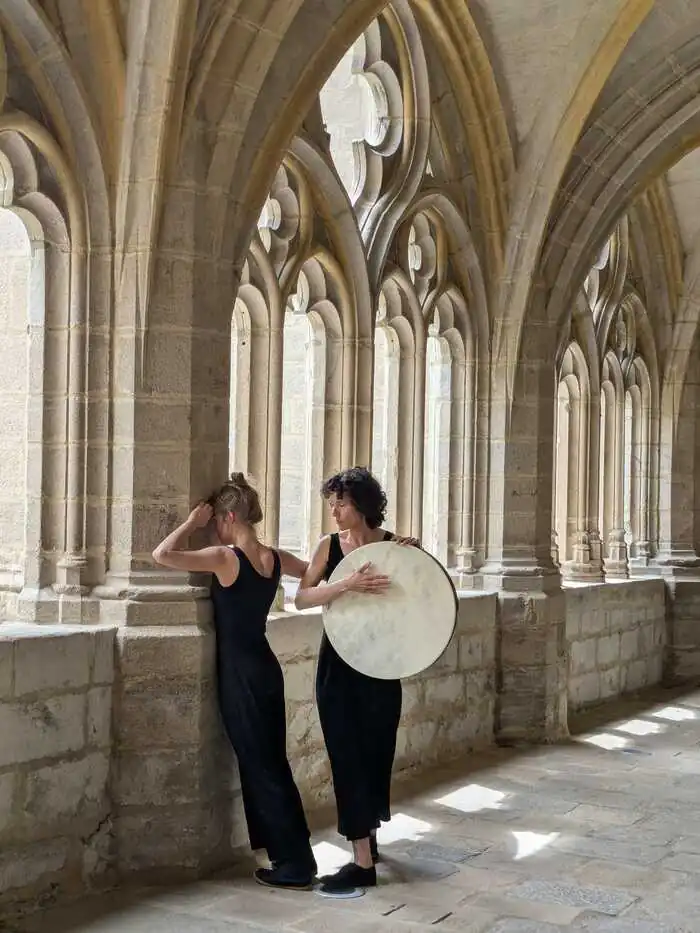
{"x":366,"y":580}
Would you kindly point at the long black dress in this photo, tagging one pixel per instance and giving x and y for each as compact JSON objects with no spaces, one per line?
{"x":251,"y":698}
{"x":359,"y":718}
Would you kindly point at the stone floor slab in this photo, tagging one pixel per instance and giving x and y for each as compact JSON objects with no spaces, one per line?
{"x":603,"y":900}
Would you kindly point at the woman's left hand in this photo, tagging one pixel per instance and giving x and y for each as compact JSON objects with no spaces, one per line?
{"x":201,"y":515}
{"x":407,"y":542}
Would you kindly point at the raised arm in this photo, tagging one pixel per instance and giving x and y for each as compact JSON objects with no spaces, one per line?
{"x":312,"y":594}
{"x":292,"y":566}
{"x":216,"y":559}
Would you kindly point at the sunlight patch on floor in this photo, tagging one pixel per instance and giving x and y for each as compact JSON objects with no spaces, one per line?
{"x":532,"y":843}
{"x":641,"y":727}
{"x":330,"y":857}
{"x":675,"y":714}
{"x":403,"y":828}
{"x":610,"y":743}
{"x":472,"y":799}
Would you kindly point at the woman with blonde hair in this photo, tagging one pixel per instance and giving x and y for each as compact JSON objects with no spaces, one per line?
{"x":246,"y":576}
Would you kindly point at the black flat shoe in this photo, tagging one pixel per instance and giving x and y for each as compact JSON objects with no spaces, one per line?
{"x":348,"y":878}
{"x":309,"y":865}
{"x":287,"y":876}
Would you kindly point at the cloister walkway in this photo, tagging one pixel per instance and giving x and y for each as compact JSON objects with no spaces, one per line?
{"x":599,"y":834}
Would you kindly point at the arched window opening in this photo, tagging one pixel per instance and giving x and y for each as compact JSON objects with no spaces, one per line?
{"x":638,"y":494}
{"x":16,"y":282}
{"x":297,"y":404}
{"x":561,"y":486}
{"x":612,"y":480}
{"x":630,"y":472}
{"x":239,"y":413}
{"x":385,"y":429}
{"x":303,"y":425}
{"x":571,"y":539}
{"x":606,"y":473}
{"x":436,"y":457}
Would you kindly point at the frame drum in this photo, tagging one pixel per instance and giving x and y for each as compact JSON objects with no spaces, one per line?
{"x":403,"y":630}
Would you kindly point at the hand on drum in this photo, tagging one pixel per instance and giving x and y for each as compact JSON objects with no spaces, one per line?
{"x":367,"y":580}
{"x":406,"y":542}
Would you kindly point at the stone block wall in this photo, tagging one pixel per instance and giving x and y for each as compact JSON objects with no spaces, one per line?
{"x":683,"y":649}
{"x":55,"y":740}
{"x":447,"y":711}
{"x":617,"y":638}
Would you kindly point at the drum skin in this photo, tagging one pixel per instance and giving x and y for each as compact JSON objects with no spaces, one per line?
{"x":402,"y":631}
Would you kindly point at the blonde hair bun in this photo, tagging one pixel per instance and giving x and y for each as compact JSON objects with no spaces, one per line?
{"x":239,"y":497}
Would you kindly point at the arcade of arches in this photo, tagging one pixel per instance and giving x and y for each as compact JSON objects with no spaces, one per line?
{"x":456,"y":241}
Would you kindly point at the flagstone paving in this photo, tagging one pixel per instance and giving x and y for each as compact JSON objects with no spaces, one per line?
{"x":599,"y":834}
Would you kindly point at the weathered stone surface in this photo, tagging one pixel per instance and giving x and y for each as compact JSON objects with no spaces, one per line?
{"x":157,"y":779}
{"x":52,"y":662}
{"x":617,"y":634}
{"x":7,"y":649}
{"x":160,"y":714}
{"x":603,"y":900}
{"x":172,"y":651}
{"x":9,"y":805}
{"x":66,"y":791}
{"x":99,"y":717}
{"x":41,"y":729}
{"x":25,"y":867}
{"x":183,"y":837}
{"x":103,"y":658}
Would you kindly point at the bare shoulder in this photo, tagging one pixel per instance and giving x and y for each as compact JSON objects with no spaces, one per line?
{"x":229,"y":566}
{"x":317,"y":566}
{"x":323,"y":547}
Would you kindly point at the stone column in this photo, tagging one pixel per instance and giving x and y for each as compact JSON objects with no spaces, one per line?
{"x":616,"y":566}
{"x":532,"y":649}
{"x":587,"y":565}
{"x":678,"y":557}
{"x":173,"y":781}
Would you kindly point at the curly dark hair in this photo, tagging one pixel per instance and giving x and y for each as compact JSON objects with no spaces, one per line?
{"x":362,"y":489}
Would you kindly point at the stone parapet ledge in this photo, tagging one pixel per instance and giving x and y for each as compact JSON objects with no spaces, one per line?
{"x":55,"y":749}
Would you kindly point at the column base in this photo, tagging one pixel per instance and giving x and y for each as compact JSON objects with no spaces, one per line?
{"x":582,"y":573}
{"x":175,"y":789}
{"x":682,"y":656}
{"x":51,"y":605}
{"x":533,"y":656}
{"x":145,"y":598}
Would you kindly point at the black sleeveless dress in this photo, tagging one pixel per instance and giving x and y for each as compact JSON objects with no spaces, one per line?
{"x":251,"y":698}
{"x":359,"y":718}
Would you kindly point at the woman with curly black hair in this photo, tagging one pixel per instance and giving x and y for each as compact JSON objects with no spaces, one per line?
{"x":359,"y":714}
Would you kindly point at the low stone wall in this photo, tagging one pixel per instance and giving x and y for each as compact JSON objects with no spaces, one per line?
{"x":84,"y":800}
{"x":55,"y":738}
{"x":617,"y":636}
{"x":447,"y":711}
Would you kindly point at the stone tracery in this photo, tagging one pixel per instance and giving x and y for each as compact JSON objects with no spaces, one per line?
{"x":607,"y":423}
